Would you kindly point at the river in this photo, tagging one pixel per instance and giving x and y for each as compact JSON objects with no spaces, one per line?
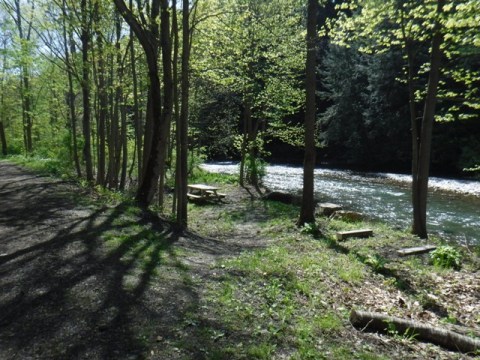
{"x":453,"y":205}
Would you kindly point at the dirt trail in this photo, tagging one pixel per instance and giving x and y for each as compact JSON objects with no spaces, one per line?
{"x":64,"y":295}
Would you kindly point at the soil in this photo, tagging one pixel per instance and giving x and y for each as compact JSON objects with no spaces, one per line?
{"x":66,"y":295}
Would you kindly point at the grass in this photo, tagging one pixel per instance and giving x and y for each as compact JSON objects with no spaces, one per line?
{"x":201,"y":176}
{"x":290,"y":299}
{"x":45,"y":166}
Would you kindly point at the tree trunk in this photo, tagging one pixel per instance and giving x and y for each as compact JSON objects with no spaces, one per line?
{"x":382,"y":323}
{"x":307,"y":211}
{"x":420,"y":183}
{"x":103,"y":104}
{"x":3,"y":139}
{"x":176,"y":106}
{"x":166,"y":120}
{"x":137,"y":119}
{"x":25,"y":90}
{"x":85,"y":37}
{"x":148,"y":38}
{"x":68,"y":41}
{"x":182,"y":158}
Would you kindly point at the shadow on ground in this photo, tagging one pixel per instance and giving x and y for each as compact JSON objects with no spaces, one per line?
{"x":97,"y":282}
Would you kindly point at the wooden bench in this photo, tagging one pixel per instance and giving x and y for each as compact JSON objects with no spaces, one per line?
{"x":362,"y":233}
{"x":217,"y":194}
{"x":193,"y":196}
{"x":204,"y":192}
{"x":416,"y":250}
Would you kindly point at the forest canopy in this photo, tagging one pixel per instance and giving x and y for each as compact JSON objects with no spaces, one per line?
{"x":128,"y":92}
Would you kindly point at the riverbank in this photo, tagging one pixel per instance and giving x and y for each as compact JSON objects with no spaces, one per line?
{"x":90,"y":275}
{"x":452,"y":212}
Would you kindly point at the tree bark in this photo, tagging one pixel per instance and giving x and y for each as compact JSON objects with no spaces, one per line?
{"x":71,"y":95}
{"x":420,"y":182}
{"x":166,"y":119}
{"x":25,"y":90}
{"x":137,"y":119}
{"x":176,"y":107}
{"x":102,"y":106}
{"x":182,"y":163}
{"x":382,"y":323}
{"x":3,"y":139}
{"x":148,"y":38}
{"x":85,"y":37}
{"x":307,"y":211}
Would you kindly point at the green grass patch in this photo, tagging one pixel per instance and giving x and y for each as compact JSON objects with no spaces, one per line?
{"x":44,"y":166}
{"x":205,"y":177}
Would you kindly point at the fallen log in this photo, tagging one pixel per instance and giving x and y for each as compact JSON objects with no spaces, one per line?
{"x":382,"y":323}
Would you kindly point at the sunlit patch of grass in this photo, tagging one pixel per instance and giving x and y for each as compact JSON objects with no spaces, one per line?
{"x":204,"y":177}
{"x":45,"y":166}
{"x":261,"y":351}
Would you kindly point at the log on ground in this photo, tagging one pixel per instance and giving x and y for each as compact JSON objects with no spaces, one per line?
{"x":371,"y":321}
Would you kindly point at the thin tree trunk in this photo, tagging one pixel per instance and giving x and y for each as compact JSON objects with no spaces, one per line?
{"x":182,"y":166}
{"x":166,"y":120}
{"x":3,"y":138}
{"x":85,"y":37}
{"x":244,"y":147}
{"x":137,"y":119}
{"x":71,"y":95}
{"x":102,"y":111}
{"x":25,"y":90}
{"x":176,"y":106}
{"x":424,"y":151}
{"x":149,"y":40}
{"x":307,"y":211}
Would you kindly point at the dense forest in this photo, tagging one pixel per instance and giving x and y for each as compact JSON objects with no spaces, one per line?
{"x":133,"y":94}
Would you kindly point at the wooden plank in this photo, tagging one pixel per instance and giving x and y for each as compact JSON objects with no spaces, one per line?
{"x":193,"y":196}
{"x":416,"y":250}
{"x":342,"y":235}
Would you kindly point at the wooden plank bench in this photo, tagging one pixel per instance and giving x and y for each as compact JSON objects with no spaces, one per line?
{"x":361,"y":233}
{"x":204,"y":192}
{"x":416,"y":250}
{"x":193,"y":196}
{"x":217,"y":194}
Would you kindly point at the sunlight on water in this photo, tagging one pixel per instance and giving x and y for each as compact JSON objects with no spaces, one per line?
{"x":453,"y":207}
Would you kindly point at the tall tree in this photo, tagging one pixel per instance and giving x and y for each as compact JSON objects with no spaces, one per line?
{"x":85,"y":83}
{"x":158,"y":121}
{"x":255,"y":48}
{"x":307,"y":211}
{"x":378,"y":26}
{"x":182,"y":127}
{"x":24,"y":24}
{"x":421,"y":158}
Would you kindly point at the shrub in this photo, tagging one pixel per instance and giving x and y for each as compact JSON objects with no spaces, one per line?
{"x":446,"y":257}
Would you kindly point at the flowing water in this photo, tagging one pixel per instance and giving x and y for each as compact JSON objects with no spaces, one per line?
{"x":453,"y":205}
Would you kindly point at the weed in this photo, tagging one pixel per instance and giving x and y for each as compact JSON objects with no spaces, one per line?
{"x":446,"y":257}
{"x":310,"y":229}
{"x":376,"y":262}
{"x":201,"y":176}
{"x":263,"y":350}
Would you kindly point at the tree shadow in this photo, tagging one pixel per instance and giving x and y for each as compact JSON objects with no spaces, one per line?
{"x":87,"y":285}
